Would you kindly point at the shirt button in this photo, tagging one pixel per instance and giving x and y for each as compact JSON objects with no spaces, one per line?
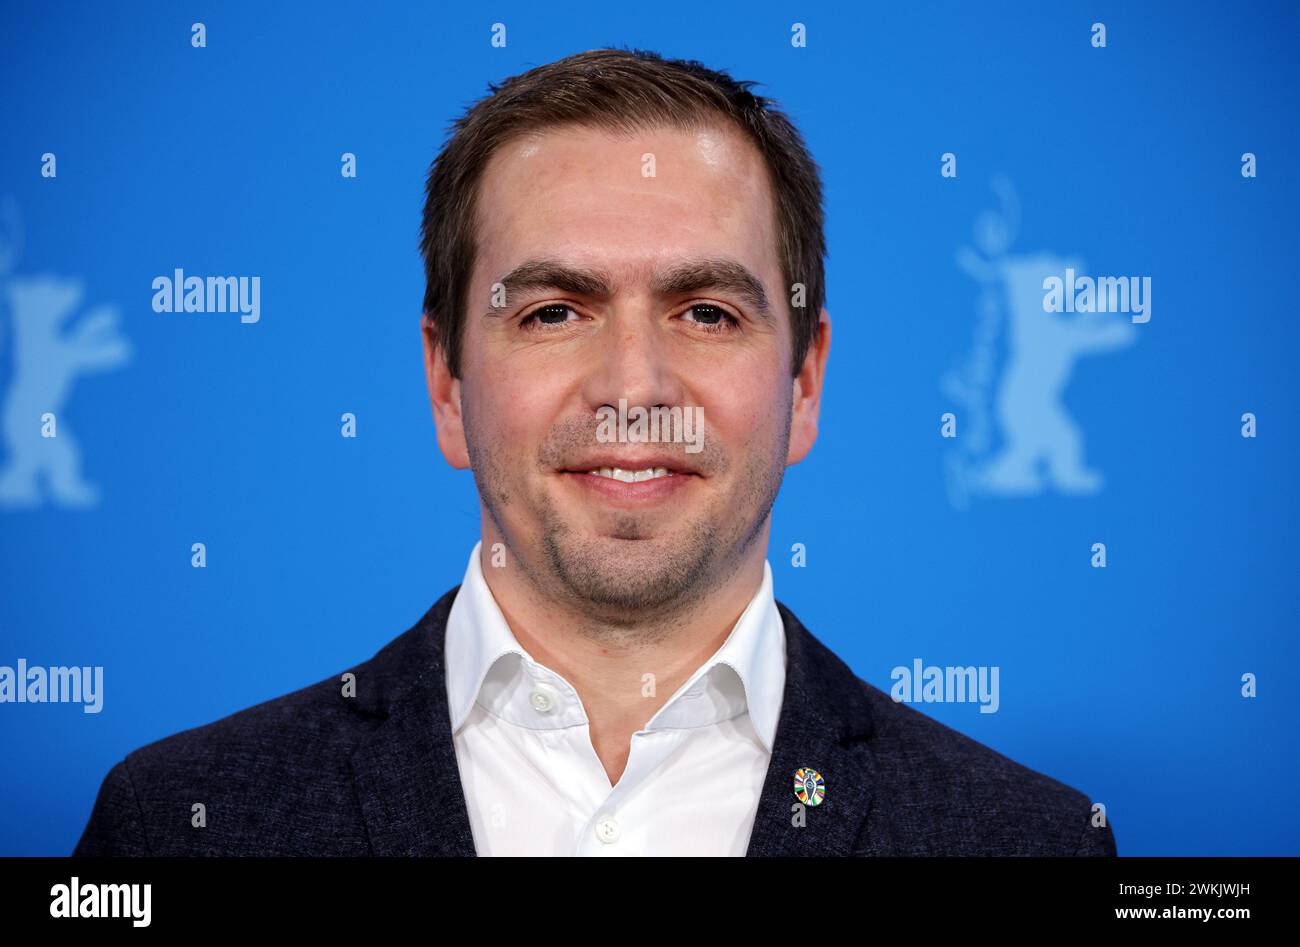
{"x":544,"y":698}
{"x":607,"y":830}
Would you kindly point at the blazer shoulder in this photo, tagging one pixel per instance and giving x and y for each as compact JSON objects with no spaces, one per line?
{"x":259,"y":762}
{"x":967,"y":796}
{"x":279,"y":766}
{"x":934,"y":791}
{"x":145,"y":793}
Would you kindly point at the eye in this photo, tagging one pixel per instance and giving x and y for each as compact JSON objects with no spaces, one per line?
{"x":712,"y":318}
{"x":556,"y":314}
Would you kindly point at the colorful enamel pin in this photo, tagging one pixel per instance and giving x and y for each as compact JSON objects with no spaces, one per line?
{"x":809,"y":786}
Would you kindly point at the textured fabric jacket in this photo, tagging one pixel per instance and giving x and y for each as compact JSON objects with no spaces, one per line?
{"x":319,"y":773}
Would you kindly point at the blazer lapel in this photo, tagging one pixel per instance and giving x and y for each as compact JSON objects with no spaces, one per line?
{"x":408,"y":782}
{"x":824,"y":724}
{"x":405,"y":772}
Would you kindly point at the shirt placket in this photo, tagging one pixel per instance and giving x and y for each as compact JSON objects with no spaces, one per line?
{"x":610,"y":812}
{"x":612,"y":830}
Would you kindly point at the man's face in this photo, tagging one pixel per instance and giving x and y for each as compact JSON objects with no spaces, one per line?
{"x":655,"y":311}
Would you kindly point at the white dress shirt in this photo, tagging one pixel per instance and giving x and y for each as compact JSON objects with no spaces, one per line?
{"x":532,"y":780}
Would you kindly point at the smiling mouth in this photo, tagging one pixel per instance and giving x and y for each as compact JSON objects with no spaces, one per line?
{"x":632,"y":476}
{"x":630,"y":488}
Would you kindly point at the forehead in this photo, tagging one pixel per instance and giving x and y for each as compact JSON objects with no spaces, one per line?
{"x":627,"y":201}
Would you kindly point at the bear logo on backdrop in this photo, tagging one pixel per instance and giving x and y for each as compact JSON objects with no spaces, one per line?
{"x":41,"y":359}
{"x":1015,"y":373}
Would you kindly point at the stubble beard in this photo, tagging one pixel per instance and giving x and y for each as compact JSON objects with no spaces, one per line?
{"x":629,"y":577}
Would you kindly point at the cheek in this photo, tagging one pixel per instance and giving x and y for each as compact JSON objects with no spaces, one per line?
{"x":511,"y":412}
{"x":743,"y":408}
{"x":502,"y":418}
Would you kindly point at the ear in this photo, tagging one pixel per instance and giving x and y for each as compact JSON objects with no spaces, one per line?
{"x":808,"y":393}
{"x":444,"y":394}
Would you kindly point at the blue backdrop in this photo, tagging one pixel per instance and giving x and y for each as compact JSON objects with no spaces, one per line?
{"x":1124,"y":681}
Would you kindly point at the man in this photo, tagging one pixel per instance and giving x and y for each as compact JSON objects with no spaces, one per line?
{"x":613,"y":676}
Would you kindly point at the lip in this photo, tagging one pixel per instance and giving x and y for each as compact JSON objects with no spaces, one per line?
{"x":624,"y":460}
{"x":630,"y":495}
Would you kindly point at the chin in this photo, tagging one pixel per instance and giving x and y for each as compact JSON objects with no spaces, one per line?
{"x":633,"y":574}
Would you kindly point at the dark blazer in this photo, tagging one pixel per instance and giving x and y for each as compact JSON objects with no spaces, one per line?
{"x":318,"y":773}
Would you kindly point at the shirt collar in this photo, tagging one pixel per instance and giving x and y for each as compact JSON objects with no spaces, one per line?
{"x":487,"y":664}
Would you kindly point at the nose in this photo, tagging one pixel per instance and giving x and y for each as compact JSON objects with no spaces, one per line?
{"x":633,"y":359}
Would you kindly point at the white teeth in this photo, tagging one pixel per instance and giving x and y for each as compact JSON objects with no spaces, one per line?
{"x":631,"y":476}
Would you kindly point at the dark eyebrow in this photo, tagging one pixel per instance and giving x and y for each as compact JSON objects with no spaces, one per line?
{"x":686,"y":278}
{"x":678,"y":280}
{"x":548,"y":274}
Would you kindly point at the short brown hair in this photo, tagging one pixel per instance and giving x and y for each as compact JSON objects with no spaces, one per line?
{"x":621,"y":91}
